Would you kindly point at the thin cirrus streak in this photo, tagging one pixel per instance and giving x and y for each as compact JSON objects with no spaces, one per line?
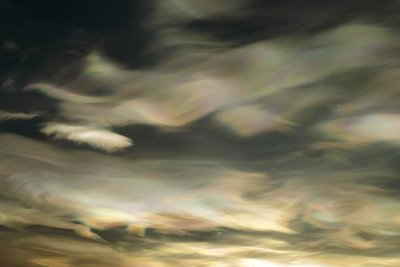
{"x":4,"y":116}
{"x":279,"y":152}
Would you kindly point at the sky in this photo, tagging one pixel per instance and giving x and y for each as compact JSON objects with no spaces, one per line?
{"x":201,"y":133}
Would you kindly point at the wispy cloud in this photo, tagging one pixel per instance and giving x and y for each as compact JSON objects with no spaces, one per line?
{"x":94,"y":137}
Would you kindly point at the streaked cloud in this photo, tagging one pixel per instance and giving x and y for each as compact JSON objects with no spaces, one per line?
{"x":97,"y":138}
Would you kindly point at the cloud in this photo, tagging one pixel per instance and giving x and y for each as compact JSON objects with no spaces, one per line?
{"x":269,"y":199}
{"x":266,"y":85}
{"x":178,"y":211}
{"x":97,"y":138}
{"x":5,"y":116}
{"x":365,"y":129}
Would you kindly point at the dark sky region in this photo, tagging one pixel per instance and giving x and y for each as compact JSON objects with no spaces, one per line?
{"x":244,"y":133}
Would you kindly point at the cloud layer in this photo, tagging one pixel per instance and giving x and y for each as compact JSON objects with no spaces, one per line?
{"x":281,"y":152}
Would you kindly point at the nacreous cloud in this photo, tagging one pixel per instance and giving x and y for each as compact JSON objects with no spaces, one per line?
{"x":250,"y":90}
